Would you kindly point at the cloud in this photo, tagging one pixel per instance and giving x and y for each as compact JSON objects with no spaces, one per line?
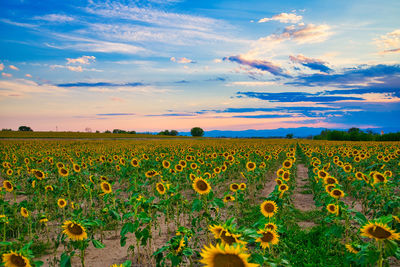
{"x":1,"y":66}
{"x":81,"y":60}
{"x":389,"y":41}
{"x":259,"y":64}
{"x":182,"y":60}
{"x":312,"y":63}
{"x":396,"y":50}
{"x":19,"y":24}
{"x":297,"y":97}
{"x":54,"y":18}
{"x":100,"y":84}
{"x":252,"y":83}
{"x":284,"y":18}
{"x":117,"y":99}
{"x":301,"y":34}
{"x":22,"y":87}
{"x":8,"y":75}
{"x":28,"y":75}
{"x":13,"y":67}
{"x":75,"y":68}
{"x":115,"y":114}
{"x":360,"y":76}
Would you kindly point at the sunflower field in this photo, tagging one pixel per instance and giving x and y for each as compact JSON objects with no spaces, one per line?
{"x":199,"y":202}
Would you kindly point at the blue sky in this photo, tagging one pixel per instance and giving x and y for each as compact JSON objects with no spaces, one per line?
{"x":220,"y":65}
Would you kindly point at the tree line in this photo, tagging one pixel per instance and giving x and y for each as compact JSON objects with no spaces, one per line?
{"x":356,"y":134}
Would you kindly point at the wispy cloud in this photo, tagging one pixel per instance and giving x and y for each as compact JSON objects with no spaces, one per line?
{"x":28,"y":75}
{"x":284,"y":18}
{"x":263,"y":65}
{"x":182,"y":60}
{"x":100,"y":84}
{"x":252,"y":83}
{"x":389,"y":41}
{"x":19,"y":24}
{"x":13,"y":67}
{"x":8,"y":75}
{"x":23,"y":87}
{"x":1,"y":66}
{"x":312,"y":63}
{"x":59,"y":18}
{"x":303,"y":33}
{"x":81,"y":60}
{"x":115,"y":114}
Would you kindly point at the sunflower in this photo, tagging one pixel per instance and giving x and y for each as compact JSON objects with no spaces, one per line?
{"x":330,"y":180}
{"x":192,"y":176}
{"x":24,"y":212}
{"x":242,"y":186}
{"x":49,"y":188}
{"x":234,"y":187}
{"x":283,"y":188}
{"x":8,"y":186}
{"x":280,"y":172}
{"x":39,"y":174}
{"x":160,"y":188}
{"x":178,"y":168}
{"x":229,"y":238}
{"x":351,"y":249}
{"x":337,"y":193}
{"x":268,"y":238}
{"x":347,"y":167}
{"x":105,"y":187}
{"x":151,"y":173}
{"x":166,"y":164}
{"x":332,"y":208}
{"x":250,"y":166}
{"x":379,"y":178}
{"x":63,"y":172}
{"x":359,"y":175}
{"x":216,"y":230}
{"x":193,"y":166}
{"x":286,"y":176}
{"x":287,"y":164}
{"x":207,"y":175}
{"x":9,"y":172}
{"x":201,"y":186}
{"x":268,"y":208}
{"x":224,"y":256}
{"x":217,"y":170}
{"x":61,"y":203}
{"x":228,"y":198}
{"x":180,"y":245}
{"x":278,"y":181}
{"x":322,"y":174}
{"x":76,"y":168}
{"x":379,"y":231}
{"x":134,"y":162}
{"x":74,"y":230}
{"x":14,"y":259}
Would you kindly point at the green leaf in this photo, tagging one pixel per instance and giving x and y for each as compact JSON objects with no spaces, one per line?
{"x":97,"y":244}
{"x":197,"y":205}
{"x":122,"y":241}
{"x":115,"y":215}
{"x":360,"y":218}
{"x":127,"y":264}
{"x":65,"y":260}
{"x":128,"y":227}
{"x":38,"y":263}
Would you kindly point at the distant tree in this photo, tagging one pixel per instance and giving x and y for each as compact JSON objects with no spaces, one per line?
{"x":97,"y":131}
{"x":289,"y":136}
{"x":131,"y":132}
{"x":6,"y":130}
{"x":173,"y":132}
{"x":197,"y":131}
{"x":119,"y":131}
{"x":107,"y":131}
{"x":353,"y":130}
{"x":25,"y":129}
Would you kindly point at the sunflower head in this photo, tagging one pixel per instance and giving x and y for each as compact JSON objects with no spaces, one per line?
{"x":250,"y":166}
{"x":234,"y":187}
{"x":379,"y":231}
{"x":225,"y":256}
{"x":229,"y":198}
{"x":75,"y":231}
{"x":106,"y":187}
{"x":336,"y":193}
{"x":268,"y":208}
{"x":268,"y":238}
{"x":270,"y":226}
{"x":216,"y":230}
{"x":14,"y":259}
{"x":242,"y":186}
{"x":8,"y":186}
{"x":160,"y":187}
{"x":350,"y":248}
{"x":332,"y":208}
{"x":201,"y":186}
{"x":61,"y":203}
{"x":24,"y":212}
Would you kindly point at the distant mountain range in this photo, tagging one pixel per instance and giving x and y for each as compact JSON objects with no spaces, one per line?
{"x":280,"y":132}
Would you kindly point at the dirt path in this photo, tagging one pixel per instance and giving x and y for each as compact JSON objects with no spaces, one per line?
{"x":302,"y":195}
{"x":302,"y":200}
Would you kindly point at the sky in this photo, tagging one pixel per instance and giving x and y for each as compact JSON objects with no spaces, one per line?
{"x":220,"y":65}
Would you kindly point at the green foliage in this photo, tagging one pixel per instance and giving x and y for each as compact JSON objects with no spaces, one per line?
{"x":355,"y":134}
{"x":197,"y":131}
{"x":25,"y":129}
